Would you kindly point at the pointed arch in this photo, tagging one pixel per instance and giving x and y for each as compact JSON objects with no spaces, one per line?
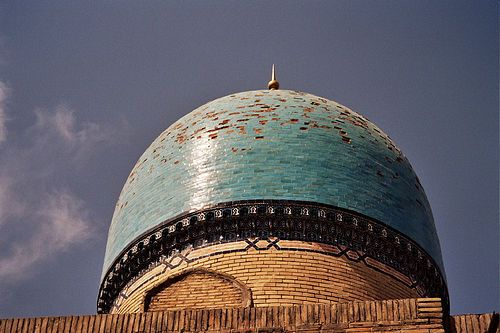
{"x":198,"y":288}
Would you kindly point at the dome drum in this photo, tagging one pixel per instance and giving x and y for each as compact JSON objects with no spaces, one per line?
{"x":355,"y":236}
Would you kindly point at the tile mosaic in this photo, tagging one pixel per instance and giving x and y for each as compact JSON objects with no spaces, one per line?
{"x":272,"y":145}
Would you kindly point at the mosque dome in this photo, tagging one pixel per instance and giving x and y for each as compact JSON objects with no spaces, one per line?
{"x":272,"y":146}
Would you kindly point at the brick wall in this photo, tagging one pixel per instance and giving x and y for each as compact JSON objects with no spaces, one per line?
{"x":408,"y":316}
{"x":275,"y":277}
{"x":196,"y":289}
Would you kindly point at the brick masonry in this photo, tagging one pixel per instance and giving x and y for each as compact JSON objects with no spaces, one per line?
{"x":198,"y":289}
{"x":418,"y":315}
{"x":305,"y":273}
{"x":487,"y":322}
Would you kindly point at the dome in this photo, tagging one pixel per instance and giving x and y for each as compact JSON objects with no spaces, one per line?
{"x":273,"y":145}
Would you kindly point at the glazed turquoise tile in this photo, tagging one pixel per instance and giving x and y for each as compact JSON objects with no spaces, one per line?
{"x":272,"y":144}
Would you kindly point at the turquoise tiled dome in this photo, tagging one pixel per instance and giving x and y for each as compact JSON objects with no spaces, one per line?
{"x":272,"y":144}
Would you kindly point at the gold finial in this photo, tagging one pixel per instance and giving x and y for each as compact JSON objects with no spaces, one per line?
{"x":273,"y":84}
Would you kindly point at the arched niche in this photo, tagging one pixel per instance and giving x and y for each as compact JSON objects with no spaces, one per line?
{"x":198,"y":288}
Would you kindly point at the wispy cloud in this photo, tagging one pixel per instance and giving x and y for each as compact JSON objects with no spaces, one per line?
{"x":75,"y":140}
{"x":40,"y":215}
{"x":62,"y":124}
{"x":10,"y":206}
{"x":4,"y":92}
{"x":62,"y":222}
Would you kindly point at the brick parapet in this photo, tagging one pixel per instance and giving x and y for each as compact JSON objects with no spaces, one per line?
{"x":404,"y":315}
{"x":485,"y":323}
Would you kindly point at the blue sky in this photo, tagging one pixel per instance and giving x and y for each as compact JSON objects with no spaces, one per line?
{"x":86,"y":86}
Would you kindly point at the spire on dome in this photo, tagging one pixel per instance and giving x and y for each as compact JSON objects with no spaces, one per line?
{"x":273,"y":84}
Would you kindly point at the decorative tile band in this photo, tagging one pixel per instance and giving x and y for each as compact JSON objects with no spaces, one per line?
{"x":285,"y":220}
